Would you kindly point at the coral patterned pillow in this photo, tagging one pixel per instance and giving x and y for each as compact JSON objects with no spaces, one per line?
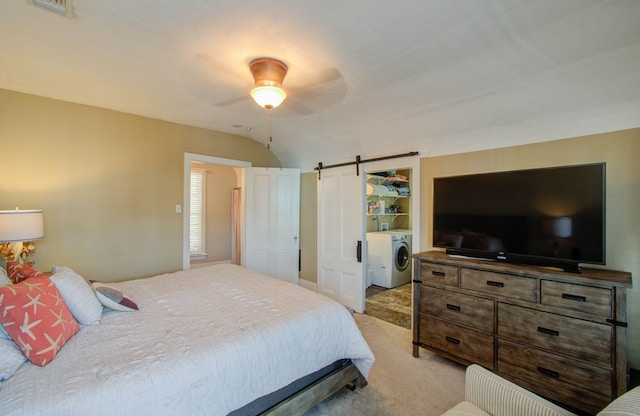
{"x":19,"y":272}
{"x":36,"y":318}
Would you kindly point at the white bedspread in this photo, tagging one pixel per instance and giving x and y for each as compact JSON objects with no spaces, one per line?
{"x":204,"y":342}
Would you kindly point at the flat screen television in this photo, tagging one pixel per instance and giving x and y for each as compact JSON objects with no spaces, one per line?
{"x":549,"y":217}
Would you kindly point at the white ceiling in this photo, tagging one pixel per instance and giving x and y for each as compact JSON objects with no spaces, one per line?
{"x":434,"y":76}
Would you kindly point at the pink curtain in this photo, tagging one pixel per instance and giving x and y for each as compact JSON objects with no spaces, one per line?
{"x":236,"y":226}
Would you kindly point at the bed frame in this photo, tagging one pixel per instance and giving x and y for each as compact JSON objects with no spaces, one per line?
{"x":302,"y":395}
{"x":308,"y":397}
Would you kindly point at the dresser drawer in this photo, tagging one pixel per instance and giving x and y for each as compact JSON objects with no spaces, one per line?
{"x":576,"y":297}
{"x":470,"y":345}
{"x":463,"y":309}
{"x":439,"y":273}
{"x":587,"y":387}
{"x":510,"y":286}
{"x":586,"y":340}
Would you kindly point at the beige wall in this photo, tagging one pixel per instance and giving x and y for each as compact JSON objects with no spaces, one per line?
{"x":620,"y":150}
{"x":108,"y":182}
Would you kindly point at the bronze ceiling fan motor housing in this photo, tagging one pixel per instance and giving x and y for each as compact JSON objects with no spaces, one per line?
{"x":268,"y":72}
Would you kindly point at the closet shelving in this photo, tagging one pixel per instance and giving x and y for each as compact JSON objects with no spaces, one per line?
{"x":389,"y":199}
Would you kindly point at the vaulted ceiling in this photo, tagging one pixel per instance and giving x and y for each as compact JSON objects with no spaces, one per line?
{"x":366,"y":77}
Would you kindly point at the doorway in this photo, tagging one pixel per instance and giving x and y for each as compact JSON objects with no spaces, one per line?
{"x":389,"y":245}
{"x":341,"y":221}
{"x":192,"y":158}
{"x":211,"y":212}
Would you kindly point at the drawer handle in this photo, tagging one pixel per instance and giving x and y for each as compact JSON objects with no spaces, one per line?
{"x":574,"y":297}
{"x":452,"y":340}
{"x":453,"y":307}
{"x":439,"y":274}
{"x":552,"y":332}
{"x":495,"y":284}
{"x":548,"y":372}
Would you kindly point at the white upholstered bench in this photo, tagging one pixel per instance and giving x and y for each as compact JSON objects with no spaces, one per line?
{"x":487,"y":394}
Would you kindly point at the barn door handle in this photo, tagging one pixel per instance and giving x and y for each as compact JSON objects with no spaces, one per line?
{"x":359,"y":251}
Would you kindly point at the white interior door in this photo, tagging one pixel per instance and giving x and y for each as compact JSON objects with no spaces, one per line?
{"x":272,"y":222}
{"x":340,"y":227}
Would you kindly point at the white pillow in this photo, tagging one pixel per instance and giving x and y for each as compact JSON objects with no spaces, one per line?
{"x":11,"y":358}
{"x":4,"y":279}
{"x":113,"y":298}
{"x":78,"y":295}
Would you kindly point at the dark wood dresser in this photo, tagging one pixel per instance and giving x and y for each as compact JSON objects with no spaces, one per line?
{"x":561,"y":335}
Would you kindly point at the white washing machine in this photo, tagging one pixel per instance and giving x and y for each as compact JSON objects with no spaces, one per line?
{"x":389,"y":258}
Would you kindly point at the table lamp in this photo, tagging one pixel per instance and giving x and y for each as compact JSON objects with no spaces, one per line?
{"x":18,"y":226}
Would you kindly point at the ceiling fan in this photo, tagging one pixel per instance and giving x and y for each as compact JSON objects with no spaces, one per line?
{"x":268,"y":74}
{"x":268,"y":92}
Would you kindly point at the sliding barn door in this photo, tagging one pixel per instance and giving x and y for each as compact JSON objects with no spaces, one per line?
{"x":272,"y":222}
{"x":341,"y":242}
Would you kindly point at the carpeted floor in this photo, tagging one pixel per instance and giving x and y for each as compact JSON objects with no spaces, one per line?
{"x":399,"y":384}
{"x":392,"y":305}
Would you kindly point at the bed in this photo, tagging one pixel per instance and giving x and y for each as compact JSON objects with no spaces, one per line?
{"x":210,"y":341}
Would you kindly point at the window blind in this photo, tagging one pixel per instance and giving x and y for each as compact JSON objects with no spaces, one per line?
{"x":197,"y":212}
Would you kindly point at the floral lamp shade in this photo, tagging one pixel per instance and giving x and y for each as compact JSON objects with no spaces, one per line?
{"x":17,"y":227}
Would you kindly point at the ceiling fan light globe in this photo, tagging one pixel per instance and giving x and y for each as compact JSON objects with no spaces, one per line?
{"x":268,"y":96}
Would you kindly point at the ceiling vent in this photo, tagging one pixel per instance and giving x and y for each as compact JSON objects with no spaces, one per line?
{"x":62,"y":7}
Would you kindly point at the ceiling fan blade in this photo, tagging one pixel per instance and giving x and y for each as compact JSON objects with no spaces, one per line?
{"x":325,"y":90}
{"x":219,"y":72}
{"x":296,"y":107}
{"x":232,"y":101}
{"x":330,"y":74}
{"x":213,"y":81}
{"x":322,"y":77}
